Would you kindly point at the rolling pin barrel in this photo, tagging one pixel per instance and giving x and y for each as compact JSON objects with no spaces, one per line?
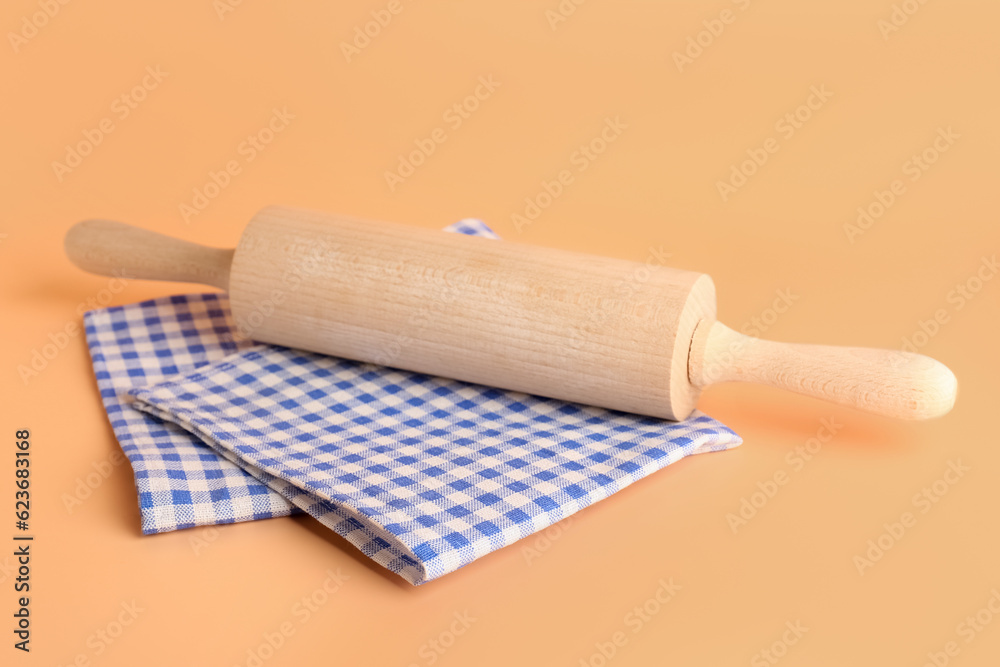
{"x":581,"y":328}
{"x":578,"y":327}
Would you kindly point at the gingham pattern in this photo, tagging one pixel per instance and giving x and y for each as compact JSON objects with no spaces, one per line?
{"x":472,"y":227}
{"x":422,"y":474}
{"x":181,"y":482}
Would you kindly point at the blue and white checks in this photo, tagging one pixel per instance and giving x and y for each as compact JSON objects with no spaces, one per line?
{"x":423,"y":474}
{"x":181,"y":482}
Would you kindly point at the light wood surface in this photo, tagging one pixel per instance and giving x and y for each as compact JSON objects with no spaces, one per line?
{"x":578,"y":327}
{"x":110,"y":248}
{"x":886,"y":382}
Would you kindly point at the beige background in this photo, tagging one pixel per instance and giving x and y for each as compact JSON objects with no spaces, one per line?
{"x":208,"y":596}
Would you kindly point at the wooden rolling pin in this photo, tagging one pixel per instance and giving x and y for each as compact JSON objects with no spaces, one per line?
{"x":577,"y":327}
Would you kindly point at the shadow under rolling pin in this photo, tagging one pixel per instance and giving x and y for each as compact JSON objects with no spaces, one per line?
{"x":504,"y":314}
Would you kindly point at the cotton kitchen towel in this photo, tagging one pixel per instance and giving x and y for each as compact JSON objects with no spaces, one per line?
{"x":423,"y":474}
{"x":181,"y":482}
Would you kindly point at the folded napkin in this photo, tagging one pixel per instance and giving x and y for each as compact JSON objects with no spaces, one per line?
{"x":423,"y":474}
{"x":181,"y":482}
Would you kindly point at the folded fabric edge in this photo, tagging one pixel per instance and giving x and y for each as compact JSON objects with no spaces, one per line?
{"x":156,"y":519}
{"x":356,"y":528}
{"x":709,"y":445}
{"x":443,"y":564}
{"x":430,"y":560}
{"x":161,"y":518}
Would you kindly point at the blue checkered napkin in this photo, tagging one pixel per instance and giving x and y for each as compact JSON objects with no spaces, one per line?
{"x":472,"y":227}
{"x":422,"y":473}
{"x":181,"y":482}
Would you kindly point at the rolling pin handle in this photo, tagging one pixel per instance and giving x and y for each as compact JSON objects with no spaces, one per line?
{"x":115,"y":249}
{"x":884,"y":382}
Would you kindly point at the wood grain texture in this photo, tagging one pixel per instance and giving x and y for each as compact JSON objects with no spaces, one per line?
{"x":886,"y":382}
{"x":582,"y":328}
{"x":111,"y":248}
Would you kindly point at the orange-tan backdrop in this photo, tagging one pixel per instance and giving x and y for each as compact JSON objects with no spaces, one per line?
{"x":832,"y":165}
